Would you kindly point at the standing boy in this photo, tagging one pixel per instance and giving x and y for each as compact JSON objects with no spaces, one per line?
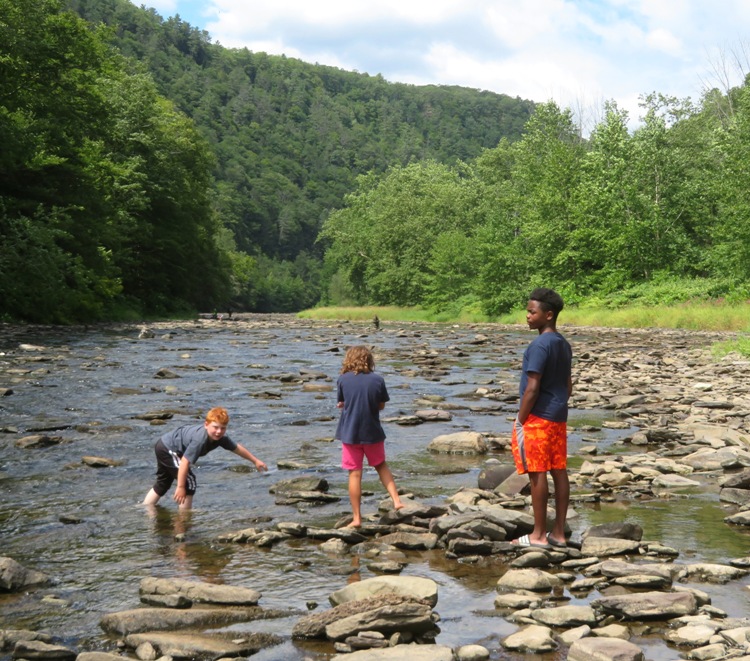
{"x":177,"y":451}
{"x":539,"y":441}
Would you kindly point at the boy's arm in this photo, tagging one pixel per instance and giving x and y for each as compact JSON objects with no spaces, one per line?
{"x":180,"y":493}
{"x":530,"y":395}
{"x":245,"y":454}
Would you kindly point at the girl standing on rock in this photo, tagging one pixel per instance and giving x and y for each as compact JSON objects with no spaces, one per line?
{"x":362,"y":395}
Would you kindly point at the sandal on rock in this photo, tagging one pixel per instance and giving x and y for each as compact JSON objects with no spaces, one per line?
{"x":553,"y":542}
{"x":525,"y":542}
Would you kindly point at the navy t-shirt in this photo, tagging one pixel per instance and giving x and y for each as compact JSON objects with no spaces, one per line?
{"x":551,"y":356}
{"x":362,"y":395}
{"x":191,"y":442}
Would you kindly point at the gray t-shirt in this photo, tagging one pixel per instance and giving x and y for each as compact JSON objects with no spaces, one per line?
{"x":191,"y":442}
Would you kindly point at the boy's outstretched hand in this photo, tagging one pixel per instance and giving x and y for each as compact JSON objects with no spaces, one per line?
{"x":261,"y":466}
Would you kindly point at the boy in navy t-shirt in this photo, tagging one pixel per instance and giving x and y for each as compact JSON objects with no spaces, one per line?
{"x":539,"y":440}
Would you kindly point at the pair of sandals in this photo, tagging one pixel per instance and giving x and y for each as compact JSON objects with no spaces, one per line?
{"x":552,"y":543}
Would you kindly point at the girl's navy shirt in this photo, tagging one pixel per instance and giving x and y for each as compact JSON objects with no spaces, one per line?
{"x":362,"y":394}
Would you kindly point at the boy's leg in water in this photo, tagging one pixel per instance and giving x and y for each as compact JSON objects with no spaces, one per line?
{"x":151,"y":498}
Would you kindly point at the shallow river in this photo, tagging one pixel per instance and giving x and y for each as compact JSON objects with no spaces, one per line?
{"x":87,"y":386}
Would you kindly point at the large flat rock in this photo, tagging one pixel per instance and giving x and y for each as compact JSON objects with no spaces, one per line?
{"x":203,"y":646}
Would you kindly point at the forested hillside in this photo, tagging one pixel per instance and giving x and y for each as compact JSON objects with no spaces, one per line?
{"x":290,"y":137}
{"x":146,"y":170}
{"x":659,"y":215}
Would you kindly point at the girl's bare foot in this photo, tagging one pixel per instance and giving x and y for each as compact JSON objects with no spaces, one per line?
{"x":354,"y":523}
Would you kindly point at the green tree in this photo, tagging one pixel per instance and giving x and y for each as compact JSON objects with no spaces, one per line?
{"x":383,"y":239}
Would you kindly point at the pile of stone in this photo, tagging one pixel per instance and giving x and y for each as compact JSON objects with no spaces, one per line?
{"x":376,"y":613}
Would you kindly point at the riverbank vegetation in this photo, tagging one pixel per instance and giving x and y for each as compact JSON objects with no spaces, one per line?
{"x":694,"y":315}
{"x":147,"y":171}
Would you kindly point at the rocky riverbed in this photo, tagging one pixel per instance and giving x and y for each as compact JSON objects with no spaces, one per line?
{"x":656,"y":565}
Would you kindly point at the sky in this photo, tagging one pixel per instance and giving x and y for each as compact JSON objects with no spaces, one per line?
{"x":579,"y":53}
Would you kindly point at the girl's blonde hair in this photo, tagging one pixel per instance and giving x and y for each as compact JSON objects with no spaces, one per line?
{"x":358,"y":360}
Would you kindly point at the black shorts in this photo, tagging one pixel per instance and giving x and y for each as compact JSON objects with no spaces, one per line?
{"x":167,"y":465}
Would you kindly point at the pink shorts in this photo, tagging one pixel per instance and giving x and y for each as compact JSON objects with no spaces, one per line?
{"x":352,"y":456}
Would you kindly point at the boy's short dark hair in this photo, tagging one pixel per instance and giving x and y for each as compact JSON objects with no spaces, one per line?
{"x":548,"y":299}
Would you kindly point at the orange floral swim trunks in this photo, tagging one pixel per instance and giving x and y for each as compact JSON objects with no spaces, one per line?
{"x":539,"y":445}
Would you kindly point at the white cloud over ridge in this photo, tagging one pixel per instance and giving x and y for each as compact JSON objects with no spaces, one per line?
{"x":577,"y":52}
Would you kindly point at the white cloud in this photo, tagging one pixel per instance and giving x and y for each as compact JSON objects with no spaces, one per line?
{"x":567,"y":50}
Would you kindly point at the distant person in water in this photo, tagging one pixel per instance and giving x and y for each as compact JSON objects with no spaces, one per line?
{"x":177,"y":451}
{"x":362,"y":394}
{"x":376,"y":322}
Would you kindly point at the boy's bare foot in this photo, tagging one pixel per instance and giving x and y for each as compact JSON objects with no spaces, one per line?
{"x":399,"y":505}
{"x":354,"y":523}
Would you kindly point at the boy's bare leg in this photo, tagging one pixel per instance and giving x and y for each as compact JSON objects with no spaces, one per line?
{"x":539,"y":497}
{"x":562,"y":501}
{"x":386,"y":477}
{"x":151,"y":498}
{"x":187,"y":503}
{"x":355,"y":497}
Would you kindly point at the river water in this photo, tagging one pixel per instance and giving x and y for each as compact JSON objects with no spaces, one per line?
{"x":87,"y":385}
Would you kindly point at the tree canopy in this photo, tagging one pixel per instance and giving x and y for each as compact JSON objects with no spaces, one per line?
{"x":147,"y":170}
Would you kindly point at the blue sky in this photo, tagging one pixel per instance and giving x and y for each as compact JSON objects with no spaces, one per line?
{"x":579,"y":53}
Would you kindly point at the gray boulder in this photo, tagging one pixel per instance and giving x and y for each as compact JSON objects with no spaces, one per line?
{"x":647,"y":605}
{"x":531,"y":579}
{"x":465,"y":442}
{"x":410,"y":540}
{"x":165,"y":619}
{"x":493,"y":476}
{"x":98,"y":656}
{"x":604,"y":649}
{"x":534,"y":638}
{"x":606,"y":546}
{"x":14,"y":577}
{"x":413,"y":587}
{"x":315,"y":624}
{"x":711,"y":573}
{"x":568,"y":616}
{"x":408,"y":615}
{"x":199,"y":592}
{"x":36,"y":649}
{"x":9,"y":637}
{"x":304,"y":483}
{"x":400,"y":653}
{"x":617,"y":530}
{"x":203,"y":646}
